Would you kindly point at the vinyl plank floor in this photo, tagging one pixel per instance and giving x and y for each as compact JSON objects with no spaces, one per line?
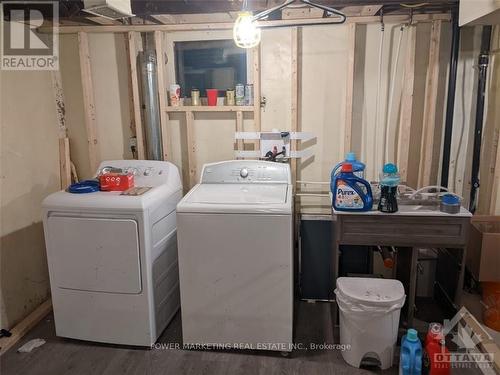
{"x":61,"y":356}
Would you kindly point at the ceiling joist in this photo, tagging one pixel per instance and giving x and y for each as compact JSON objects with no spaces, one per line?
{"x":168,"y":12}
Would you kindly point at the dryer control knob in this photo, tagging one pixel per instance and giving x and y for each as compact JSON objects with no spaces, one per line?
{"x":244,"y":172}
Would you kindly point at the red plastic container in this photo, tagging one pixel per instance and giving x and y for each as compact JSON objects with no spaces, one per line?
{"x":116,"y":181}
{"x":437,"y":356}
{"x":212,"y":97}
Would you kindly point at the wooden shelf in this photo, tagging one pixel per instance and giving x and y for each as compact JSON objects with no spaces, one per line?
{"x":205,"y":108}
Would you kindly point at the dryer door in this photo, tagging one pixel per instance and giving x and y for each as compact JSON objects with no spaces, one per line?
{"x":91,"y":254}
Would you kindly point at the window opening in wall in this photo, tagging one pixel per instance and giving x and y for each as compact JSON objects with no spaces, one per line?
{"x":209,"y":64}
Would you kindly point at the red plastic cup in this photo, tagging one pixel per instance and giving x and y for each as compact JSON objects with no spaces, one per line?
{"x":212,"y":97}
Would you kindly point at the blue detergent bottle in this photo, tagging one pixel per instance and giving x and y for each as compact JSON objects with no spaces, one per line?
{"x":410,"y":358}
{"x":350,"y":192}
{"x":358,"y":168}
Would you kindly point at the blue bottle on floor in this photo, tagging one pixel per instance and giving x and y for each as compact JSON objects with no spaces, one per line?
{"x":350,"y":193}
{"x":410,"y":358}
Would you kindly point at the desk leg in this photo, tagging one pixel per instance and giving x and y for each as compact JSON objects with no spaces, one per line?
{"x":413,"y":286}
{"x":336,"y":251}
{"x":461,"y":275}
{"x":335,"y":267}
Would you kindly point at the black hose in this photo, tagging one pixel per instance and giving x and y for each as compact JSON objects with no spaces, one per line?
{"x":478,"y":129}
{"x":450,"y":101}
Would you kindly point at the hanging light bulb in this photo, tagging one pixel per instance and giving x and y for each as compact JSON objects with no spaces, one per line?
{"x":246,"y":33}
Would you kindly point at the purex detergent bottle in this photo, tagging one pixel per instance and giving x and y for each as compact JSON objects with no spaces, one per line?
{"x":358,"y":168}
{"x":350,"y":193}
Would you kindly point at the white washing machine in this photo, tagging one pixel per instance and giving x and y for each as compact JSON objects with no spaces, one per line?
{"x":113,"y":258}
{"x":235,"y":257}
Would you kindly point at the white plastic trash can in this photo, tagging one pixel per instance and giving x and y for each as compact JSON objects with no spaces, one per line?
{"x":369,"y":318}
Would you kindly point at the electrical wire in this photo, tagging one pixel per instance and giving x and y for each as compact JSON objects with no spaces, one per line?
{"x":391,"y":97}
{"x":462,"y":132}
{"x":413,"y":6}
{"x":364,"y":126}
{"x":398,"y":125}
{"x":379,"y":84}
{"x":406,"y":187}
{"x":428,"y":188}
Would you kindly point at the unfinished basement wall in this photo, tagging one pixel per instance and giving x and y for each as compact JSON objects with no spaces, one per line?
{"x":377,"y":104}
{"x":213,"y":133}
{"x":322,"y":105}
{"x":111,"y":93}
{"x":323,"y":67}
{"x":110,"y":80}
{"x":465,"y":112}
{"x":69,"y":65}
{"x":380,"y":68}
{"x":29,"y":165}
{"x":464,"y":122}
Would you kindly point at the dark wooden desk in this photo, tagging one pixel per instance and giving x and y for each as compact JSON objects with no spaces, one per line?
{"x":411,"y":226}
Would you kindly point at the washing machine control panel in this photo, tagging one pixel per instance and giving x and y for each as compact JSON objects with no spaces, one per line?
{"x":246,"y":171}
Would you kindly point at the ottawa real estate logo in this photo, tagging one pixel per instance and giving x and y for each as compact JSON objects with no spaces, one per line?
{"x":23,"y":45}
{"x":470,"y":345}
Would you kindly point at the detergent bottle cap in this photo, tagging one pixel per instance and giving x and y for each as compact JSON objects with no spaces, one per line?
{"x":390,"y":168}
{"x":435,"y":332}
{"x":436,"y":328}
{"x":412,"y":335}
{"x":350,"y":157}
{"x":347,"y":167}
